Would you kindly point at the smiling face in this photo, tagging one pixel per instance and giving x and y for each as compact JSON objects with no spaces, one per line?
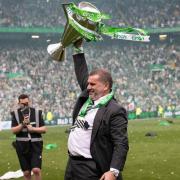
{"x":96,"y":87}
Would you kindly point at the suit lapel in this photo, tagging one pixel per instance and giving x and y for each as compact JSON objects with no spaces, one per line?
{"x":97,"y":122}
{"x":81,"y":100}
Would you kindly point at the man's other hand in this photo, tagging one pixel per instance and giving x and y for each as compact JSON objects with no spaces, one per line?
{"x":108,"y":176}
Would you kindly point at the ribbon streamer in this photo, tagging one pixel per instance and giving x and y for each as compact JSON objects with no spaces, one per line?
{"x":92,"y":16}
{"x":132,"y":34}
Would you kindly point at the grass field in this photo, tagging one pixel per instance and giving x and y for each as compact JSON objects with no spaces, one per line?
{"x":149,"y":158}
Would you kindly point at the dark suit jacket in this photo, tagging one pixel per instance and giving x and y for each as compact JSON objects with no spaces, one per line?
{"x":109,"y":141}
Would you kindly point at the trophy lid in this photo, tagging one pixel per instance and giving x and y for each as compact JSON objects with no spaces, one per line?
{"x":88,"y":7}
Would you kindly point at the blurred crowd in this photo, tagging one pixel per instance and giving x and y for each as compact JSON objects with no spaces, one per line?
{"x":149,"y":13}
{"x":49,"y":13}
{"x":34,"y":13}
{"x":145,"y":76}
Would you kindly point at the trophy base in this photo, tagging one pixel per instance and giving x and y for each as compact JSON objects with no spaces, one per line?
{"x":56,"y":51}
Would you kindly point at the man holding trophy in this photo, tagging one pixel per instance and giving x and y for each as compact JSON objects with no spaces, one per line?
{"x":28,"y":125}
{"x":98,"y":140}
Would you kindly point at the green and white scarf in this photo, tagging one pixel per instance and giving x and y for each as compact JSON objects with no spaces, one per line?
{"x":89,"y":103}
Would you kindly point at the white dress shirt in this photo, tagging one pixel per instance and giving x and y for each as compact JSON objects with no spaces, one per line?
{"x":80,"y":138}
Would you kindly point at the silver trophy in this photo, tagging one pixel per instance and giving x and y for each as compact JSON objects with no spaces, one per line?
{"x":70,"y":35}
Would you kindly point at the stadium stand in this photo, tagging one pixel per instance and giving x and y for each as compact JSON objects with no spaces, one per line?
{"x":49,"y":13}
{"x":134,"y":69}
{"x":146,"y":76}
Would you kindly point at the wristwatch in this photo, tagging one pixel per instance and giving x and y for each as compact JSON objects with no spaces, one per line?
{"x":115,"y":172}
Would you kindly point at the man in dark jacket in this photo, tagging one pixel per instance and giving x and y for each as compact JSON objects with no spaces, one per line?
{"x":28,"y":125}
{"x":98,"y":141}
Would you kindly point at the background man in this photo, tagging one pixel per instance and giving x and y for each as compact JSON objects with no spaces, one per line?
{"x":98,"y":142}
{"x":28,"y":125}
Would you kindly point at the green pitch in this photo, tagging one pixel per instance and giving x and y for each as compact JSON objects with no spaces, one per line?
{"x":149,"y":158}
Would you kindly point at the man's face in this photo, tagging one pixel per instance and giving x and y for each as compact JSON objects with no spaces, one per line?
{"x":24,"y":102}
{"x":96,"y":88}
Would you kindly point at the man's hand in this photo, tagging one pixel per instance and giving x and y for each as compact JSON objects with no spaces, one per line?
{"x":25,"y":121}
{"x":108,"y":176}
{"x":78,"y":43}
{"x":30,"y":128}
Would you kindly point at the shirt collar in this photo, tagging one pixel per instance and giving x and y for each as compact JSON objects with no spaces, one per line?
{"x":99,"y":100}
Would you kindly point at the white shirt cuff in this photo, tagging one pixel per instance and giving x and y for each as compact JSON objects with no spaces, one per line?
{"x":78,"y":50}
{"x":115,"y":171}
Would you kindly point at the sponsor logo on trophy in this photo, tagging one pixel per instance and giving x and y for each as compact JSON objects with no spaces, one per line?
{"x":86,"y":21}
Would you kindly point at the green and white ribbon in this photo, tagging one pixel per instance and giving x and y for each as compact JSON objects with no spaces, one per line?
{"x":87,"y":33}
{"x":132,"y":34}
{"x":92,"y":16}
{"x":131,"y":37}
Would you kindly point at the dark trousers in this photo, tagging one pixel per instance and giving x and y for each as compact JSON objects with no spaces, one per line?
{"x":81,"y":169}
{"x":84,"y":169}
